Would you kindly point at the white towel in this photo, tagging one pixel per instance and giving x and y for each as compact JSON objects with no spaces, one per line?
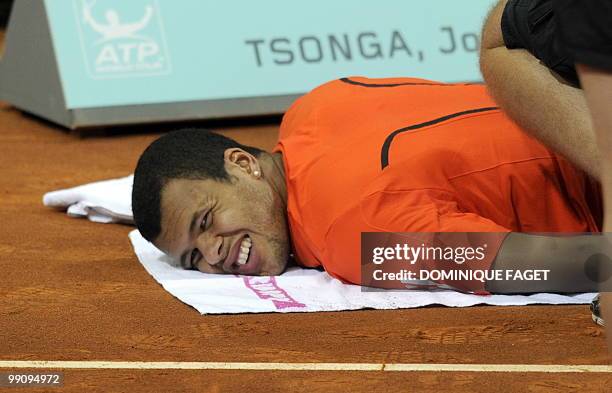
{"x":106,"y":201}
{"x":297,"y":290}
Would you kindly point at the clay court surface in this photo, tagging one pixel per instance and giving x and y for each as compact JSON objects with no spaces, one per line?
{"x":72,"y":290}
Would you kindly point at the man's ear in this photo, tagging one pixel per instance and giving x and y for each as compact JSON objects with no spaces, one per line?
{"x":241,"y":160}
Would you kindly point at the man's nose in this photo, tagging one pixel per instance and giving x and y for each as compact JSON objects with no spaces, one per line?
{"x":210,"y":248}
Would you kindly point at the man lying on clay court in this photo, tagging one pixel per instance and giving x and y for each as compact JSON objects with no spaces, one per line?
{"x":367,"y":155}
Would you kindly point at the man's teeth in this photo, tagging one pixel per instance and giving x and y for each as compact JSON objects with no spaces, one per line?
{"x":245,"y":247}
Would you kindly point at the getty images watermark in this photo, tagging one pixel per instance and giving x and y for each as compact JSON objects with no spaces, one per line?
{"x":487,"y":262}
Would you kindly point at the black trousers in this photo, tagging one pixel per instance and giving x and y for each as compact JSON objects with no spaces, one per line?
{"x":561,"y":33}
{"x":5,"y":10}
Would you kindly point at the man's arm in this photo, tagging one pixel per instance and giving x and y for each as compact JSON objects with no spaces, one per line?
{"x":576,"y":263}
{"x":538,"y":99}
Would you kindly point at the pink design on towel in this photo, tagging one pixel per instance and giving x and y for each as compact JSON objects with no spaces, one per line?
{"x":266,"y":288}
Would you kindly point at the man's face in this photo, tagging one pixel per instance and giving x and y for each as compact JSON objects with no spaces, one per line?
{"x":236,"y":227}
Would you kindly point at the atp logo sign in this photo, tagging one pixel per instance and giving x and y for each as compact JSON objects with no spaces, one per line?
{"x":122,"y":38}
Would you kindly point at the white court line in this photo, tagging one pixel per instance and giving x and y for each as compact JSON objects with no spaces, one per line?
{"x":393,"y":367}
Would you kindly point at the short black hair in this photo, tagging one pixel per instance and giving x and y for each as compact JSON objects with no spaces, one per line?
{"x":183,"y":154}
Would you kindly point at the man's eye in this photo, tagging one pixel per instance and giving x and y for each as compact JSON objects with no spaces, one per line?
{"x":205,"y":221}
{"x":193,"y":260}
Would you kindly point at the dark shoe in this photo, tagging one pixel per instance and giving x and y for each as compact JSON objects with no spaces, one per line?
{"x":596,"y":312}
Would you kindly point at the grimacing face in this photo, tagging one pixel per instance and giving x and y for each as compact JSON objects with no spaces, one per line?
{"x":235,"y":227}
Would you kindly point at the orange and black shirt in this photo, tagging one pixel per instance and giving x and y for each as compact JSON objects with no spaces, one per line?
{"x":411,"y":155}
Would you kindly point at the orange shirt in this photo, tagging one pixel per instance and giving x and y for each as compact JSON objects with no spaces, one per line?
{"x":410,"y":155}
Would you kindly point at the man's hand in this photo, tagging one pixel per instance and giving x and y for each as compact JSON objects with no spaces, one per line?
{"x":576,"y":263}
